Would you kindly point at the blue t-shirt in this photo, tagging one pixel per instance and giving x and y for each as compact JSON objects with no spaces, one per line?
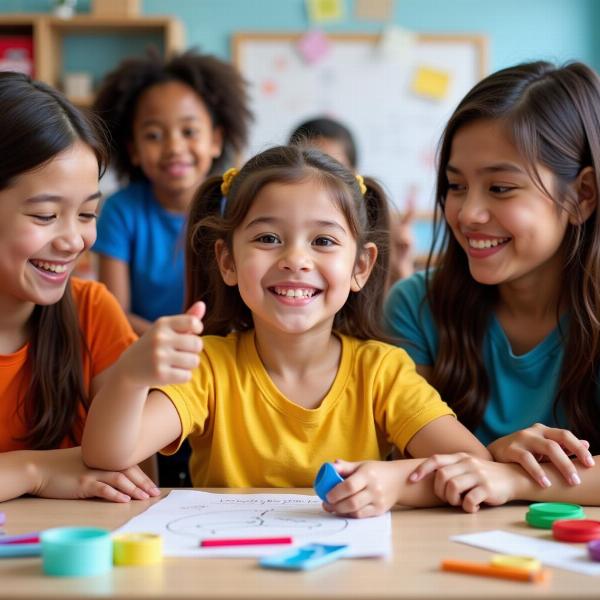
{"x":135,"y":228}
{"x":522,"y":388}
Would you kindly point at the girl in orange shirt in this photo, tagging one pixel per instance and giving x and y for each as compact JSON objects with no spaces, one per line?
{"x":57,"y":337}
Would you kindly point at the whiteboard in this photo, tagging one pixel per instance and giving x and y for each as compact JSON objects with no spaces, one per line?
{"x":396,"y":131}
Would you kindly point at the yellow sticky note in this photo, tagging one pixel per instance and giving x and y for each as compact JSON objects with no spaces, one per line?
{"x":431,"y":83}
{"x":324,"y":10}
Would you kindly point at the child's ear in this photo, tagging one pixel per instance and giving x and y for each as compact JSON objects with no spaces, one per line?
{"x":363,"y":267}
{"x":217,"y":142}
{"x":226,"y":263}
{"x":587,"y":195}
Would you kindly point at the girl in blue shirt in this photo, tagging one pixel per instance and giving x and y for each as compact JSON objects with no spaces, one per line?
{"x":507,"y":325}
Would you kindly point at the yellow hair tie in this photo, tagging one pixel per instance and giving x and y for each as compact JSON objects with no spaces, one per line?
{"x":228,"y":178}
{"x":361,"y":184}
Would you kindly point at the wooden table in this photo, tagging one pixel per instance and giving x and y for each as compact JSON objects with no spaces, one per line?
{"x":420,"y":539}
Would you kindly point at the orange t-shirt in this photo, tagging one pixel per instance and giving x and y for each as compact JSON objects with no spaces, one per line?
{"x":107,"y":333}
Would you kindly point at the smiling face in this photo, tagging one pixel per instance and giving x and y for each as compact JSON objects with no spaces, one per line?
{"x":174,"y":141}
{"x":508,"y":227}
{"x":47,"y":219}
{"x":294,"y":258}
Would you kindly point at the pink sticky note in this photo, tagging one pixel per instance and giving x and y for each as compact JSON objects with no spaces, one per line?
{"x":313,"y":46}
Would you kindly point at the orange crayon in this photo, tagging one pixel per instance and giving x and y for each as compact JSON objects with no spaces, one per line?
{"x":487,"y":570}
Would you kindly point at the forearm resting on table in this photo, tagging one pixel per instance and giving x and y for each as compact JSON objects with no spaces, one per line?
{"x":114,"y":426}
{"x":18,"y":474}
{"x":587,"y":492}
{"x":419,"y":494}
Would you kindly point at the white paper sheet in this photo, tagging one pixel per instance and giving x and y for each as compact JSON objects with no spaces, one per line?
{"x":185,"y":517}
{"x":572,"y":557}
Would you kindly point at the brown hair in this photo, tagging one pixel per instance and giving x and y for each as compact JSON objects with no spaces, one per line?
{"x":217,"y":83}
{"x":552,"y":115}
{"x":37,"y":124}
{"x":367,"y":217}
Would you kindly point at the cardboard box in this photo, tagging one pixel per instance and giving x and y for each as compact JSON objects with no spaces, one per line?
{"x":16,"y":54}
{"x":116,"y":8}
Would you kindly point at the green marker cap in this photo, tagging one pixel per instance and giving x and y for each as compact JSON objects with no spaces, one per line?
{"x":543,"y":514}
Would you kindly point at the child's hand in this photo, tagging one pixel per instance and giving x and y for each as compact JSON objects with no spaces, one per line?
{"x":370,"y":488}
{"x":62,"y":474}
{"x":540,"y":443}
{"x":167,"y":352}
{"x":462,"y":479}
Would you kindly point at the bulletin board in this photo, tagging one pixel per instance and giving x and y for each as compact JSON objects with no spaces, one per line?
{"x":396,"y":129}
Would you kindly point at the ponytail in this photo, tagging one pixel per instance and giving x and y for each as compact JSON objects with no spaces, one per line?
{"x":206,"y":225}
{"x":360,"y":316}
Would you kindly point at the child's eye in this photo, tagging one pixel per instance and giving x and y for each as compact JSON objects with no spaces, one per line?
{"x":323,"y":241}
{"x":455,"y":187}
{"x":88,"y":216}
{"x":190,"y":132}
{"x":268,"y":238}
{"x":152,"y":136}
{"x":43,"y":218}
{"x":501,"y":189}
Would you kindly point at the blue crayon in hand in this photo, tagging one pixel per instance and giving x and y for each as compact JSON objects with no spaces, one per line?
{"x":326,"y":478}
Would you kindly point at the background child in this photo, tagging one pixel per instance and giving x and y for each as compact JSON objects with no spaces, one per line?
{"x":506,"y":327}
{"x":57,"y":335}
{"x":291,"y":255}
{"x":171,"y":123}
{"x":329,"y":136}
{"x":334,"y":138}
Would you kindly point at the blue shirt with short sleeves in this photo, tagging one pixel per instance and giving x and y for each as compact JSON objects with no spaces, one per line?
{"x":135,"y":228}
{"x":522,"y":387}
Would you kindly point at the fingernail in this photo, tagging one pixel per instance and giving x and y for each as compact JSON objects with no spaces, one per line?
{"x":545,"y":482}
{"x":413,"y":477}
{"x":589,"y":460}
{"x":144,"y":495}
{"x":155,"y":491}
{"x":574,"y":479}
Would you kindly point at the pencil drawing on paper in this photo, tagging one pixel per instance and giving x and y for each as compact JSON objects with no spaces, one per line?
{"x":268,"y":522}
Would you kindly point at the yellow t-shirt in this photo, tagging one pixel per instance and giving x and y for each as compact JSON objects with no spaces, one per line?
{"x":245,"y":433}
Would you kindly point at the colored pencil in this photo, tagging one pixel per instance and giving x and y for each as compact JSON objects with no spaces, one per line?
{"x":487,"y":570}
{"x":224,"y":542}
{"x":23,"y":538}
{"x":16,"y":550}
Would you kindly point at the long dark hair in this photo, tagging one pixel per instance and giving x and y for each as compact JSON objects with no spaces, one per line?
{"x":366,"y":214}
{"x":37,"y":124}
{"x":217,"y":83}
{"x":552,"y":115}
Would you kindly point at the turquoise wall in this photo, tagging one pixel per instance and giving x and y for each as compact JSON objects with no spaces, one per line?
{"x":517,"y":29}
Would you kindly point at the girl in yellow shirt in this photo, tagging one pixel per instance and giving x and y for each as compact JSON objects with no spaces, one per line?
{"x":290,"y":257}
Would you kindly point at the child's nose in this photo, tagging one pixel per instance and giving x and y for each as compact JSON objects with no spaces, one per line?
{"x":295,"y":259}
{"x":70,"y":239}
{"x":174,"y":143}
{"x":474,"y":209}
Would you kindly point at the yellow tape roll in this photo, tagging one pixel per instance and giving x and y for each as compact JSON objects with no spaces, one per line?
{"x":137,"y":549}
{"x":521,"y":562}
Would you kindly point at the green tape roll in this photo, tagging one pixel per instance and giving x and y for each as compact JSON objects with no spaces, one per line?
{"x":76,"y":551}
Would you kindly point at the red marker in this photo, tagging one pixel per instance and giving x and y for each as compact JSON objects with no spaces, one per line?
{"x":24,"y":538}
{"x":223,"y":542}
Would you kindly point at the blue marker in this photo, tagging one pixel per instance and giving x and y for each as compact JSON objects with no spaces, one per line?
{"x":16,"y":550}
{"x":304,"y":558}
{"x":327,"y":478}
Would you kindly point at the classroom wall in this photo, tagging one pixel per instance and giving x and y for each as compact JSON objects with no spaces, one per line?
{"x":517,"y":29}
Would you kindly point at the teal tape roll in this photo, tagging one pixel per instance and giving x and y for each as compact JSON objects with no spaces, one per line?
{"x":76,"y":551}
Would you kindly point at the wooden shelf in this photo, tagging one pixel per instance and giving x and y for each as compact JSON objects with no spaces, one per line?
{"x":48,"y":34}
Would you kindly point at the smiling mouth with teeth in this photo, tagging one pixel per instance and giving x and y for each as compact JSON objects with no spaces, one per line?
{"x":295,"y":292}
{"x":484,"y":244}
{"x":42,"y":265}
